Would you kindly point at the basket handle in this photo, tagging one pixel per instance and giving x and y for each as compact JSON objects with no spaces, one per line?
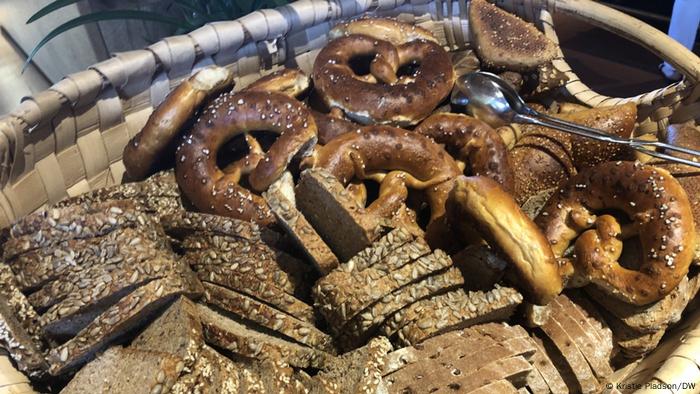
{"x":670,"y":50}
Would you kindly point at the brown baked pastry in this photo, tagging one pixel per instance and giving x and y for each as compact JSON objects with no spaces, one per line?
{"x":660,"y":213}
{"x":383,"y":96}
{"x":502,"y":40}
{"x":544,"y":158}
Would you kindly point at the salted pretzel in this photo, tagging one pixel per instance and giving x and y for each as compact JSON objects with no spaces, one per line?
{"x":372,"y":151}
{"x":289,"y":81}
{"x":481,"y":202}
{"x":660,"y":215}
{"x":214,"y":190}
{"x":143,"y":152}
{"x":383,"y":96}
{"x":473,"y":143}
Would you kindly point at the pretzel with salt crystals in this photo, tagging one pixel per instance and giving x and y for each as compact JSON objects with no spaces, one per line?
{"x":413,"y":160}
{"x":473,"y":143}
{"x":144,"y":150}
{"x":383,"y":96}
{"x":214,"y":190}
{"x":482,"y":202}
{"x":661,"y":215}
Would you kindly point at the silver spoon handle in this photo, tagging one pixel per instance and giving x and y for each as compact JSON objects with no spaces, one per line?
{"x":639,"y":145}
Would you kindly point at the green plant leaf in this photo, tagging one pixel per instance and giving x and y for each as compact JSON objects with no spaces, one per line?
{"x":105,"y":16}
{"x":51,"y":7}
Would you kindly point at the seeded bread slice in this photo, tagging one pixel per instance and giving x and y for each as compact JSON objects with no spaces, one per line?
{"x":44,"y":230}
{"x":356,"y":372}
{"x":250,"y":259}
{"x":177,"y":331}
{"x":335,"y":214}
{"x":340,"y":296}
{"x":378,"y":251}
{"x":455,"y":310}
{"x":83,"y":283}
{"x":228,"y":334}
{"x":280,"y":197}
{"x":566,"y":346}
{"x":188,"y":222}
{"x":127,"y":371}
{"x":653,"y":317}
{"x":365,"y":324}
{"x":586,"y":342}
{"x":127,"y":245}
{"x":127,"y":315}
{"x":250,"y":309}
{"x":66,"y":318}
{"x":261,"y":290}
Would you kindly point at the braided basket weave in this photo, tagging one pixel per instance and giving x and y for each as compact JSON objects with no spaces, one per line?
{"x":69,"y":139}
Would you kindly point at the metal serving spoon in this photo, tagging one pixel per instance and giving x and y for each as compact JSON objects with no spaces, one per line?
{"x":489,"y":98}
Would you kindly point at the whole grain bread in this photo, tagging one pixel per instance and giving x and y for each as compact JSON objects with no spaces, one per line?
{"x":211,"y":373}
{"x":282,"y":201}
{"x":498,"y":386}
{"x":177,"y":331}
{"x":118,"y":321}
{"x":181,"y":224}
{"x":127,"y":371}
{"x":225,"y":333}
{"x":128,"y":245}
{"x":266,"y":316}
{"x":358,"y":330}
{"x":335,"y":214}
{"x":378,"y":250}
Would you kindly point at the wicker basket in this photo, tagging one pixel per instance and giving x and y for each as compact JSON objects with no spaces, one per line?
{"x":69,"y":139}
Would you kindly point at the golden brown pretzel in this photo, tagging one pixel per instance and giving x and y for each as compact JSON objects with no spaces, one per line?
{"x":385,"y":29}
{"x":482,"y":202}
{"x":212,"y":190}
{"x":142,"y":153}
{"x":289,"y":81}
{"x":373,"y":150}
{"x":400,"y":100}
{"x":660,"y":213}
{"x":473,"y":142}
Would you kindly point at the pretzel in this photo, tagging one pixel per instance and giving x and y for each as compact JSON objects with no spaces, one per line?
{"x":472,"y":142}
{"x":661,"y":215}
{"x":289,"y":81}
{"x":143,"y":151}
{"x":382,"y":96}
{"x":482,"y":202}
{"x":385,"y":29}
{"x":214,"y":190}
{"x":373,"y":150}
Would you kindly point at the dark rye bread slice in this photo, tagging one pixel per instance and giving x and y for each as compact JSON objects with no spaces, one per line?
{"x":228,"y":334}
{"x":248,"y":258}
{"x":116,"y":323}
{"x":591,"y":316}
{"x":128,"y":245}
{"x":127,"y":371}
{"x":379,"y":250}
{"x":546,"y":368}
{"x":450,"y":311}
{"x":335,"y":214}
{"x":585,"y":380}
{"x":66,"y":318}
{"x":366,"y":323}
{"x":356,"y":372}
{"x":73,"y":223}
{"x":587,"y":343}
{"x":655,"y":316}
{"x":343,"y":296}
{"x":502,"y":40}
{"x":177,"y":331}
{"x":260,"y":290}
{"x":118,"y":274}
{"x":266,"y":316}
{"x":282,"y":201}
